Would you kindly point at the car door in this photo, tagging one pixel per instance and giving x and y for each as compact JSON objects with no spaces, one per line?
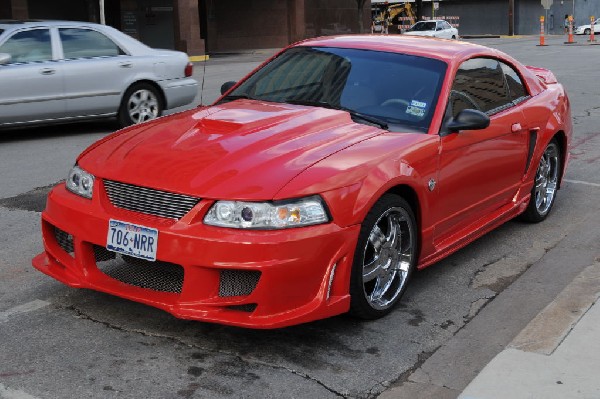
{"x":439,"y":30}
{"x":97,"y":69}
{"x":443,"y":31}
{"x":31,"y":83}
{"x":481,"y":170}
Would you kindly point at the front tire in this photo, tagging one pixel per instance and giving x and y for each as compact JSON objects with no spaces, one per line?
{"x":587,"y":31}
{"x":545,"y":185}
{"x":141,"y":102}
{"x":384,"y":259}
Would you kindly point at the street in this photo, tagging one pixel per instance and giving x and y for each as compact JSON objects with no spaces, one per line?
{"x":60,"y":342}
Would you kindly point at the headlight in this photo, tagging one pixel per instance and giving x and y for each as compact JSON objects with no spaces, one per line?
{"x":80,"y":182}
{"x":267,"y":215}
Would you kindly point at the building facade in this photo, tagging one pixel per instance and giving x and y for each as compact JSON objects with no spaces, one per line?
{"x":201,"y":26}
{"x":211,"y":26}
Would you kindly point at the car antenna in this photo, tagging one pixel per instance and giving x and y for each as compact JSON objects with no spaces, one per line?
{"x":203,"y":74}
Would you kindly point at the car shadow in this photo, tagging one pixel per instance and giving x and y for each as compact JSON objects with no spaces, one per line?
{"x":57,"y":130}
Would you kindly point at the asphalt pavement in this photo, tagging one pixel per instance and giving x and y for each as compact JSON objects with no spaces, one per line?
{"x":514,"y":310}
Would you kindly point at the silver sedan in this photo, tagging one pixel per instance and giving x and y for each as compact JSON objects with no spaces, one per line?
{"x":55,"y":71}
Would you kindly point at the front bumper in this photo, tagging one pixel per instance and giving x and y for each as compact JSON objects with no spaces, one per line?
{"x":286,"y":277}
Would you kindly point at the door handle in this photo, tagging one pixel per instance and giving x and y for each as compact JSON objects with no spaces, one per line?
{"x":516,"y":128}
{"x":48,"y":71}
{"x":125,"y":65}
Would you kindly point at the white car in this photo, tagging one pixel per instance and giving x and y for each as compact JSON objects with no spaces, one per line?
{"x":433,"y":28}
{"x":587,"y":29}
{"x":59,"y":71}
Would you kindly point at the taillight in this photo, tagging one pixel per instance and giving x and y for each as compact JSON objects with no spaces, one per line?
{"x":189,"y":70}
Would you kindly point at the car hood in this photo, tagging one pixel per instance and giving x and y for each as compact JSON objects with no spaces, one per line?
{"x":244,"y":149}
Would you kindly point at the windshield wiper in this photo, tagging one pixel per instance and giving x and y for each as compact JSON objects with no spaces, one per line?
{"x":354,"y":114}
{"x":314,"y":103}
{"x":367,"y":118}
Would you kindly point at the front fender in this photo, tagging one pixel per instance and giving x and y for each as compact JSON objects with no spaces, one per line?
{"x":352,"y":180}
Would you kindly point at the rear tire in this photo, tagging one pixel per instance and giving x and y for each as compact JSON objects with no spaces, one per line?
{"x":141,"y":102}
{"x":545,"y":185}
{"x":384,"y":259}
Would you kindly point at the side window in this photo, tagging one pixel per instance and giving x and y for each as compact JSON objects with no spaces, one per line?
{"x":516,"y":88}
{"x":29,"y":46}
{"x":479,"y":84}
{"x":86,"y":43}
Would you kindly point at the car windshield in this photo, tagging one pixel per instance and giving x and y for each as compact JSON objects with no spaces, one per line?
{"x":1,"y":31}
{"x":396,"y":91}
{"x":423,"y":26}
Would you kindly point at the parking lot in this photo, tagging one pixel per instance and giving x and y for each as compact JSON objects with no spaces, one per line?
{"x":59,"y":342}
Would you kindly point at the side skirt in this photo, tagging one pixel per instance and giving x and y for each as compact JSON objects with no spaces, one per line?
{"x":475,"y":230}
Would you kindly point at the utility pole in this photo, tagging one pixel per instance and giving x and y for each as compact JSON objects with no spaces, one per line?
{"x":102,"y":16}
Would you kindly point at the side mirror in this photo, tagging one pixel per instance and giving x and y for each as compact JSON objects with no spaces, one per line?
{"x":4,"y":58}
{"x":226,"y":86}
{"x":468,"y":119}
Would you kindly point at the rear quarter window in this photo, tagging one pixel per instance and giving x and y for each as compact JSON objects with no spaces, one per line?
{"x":517,"y":90}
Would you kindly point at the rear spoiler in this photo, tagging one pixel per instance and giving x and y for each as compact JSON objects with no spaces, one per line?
{"x":545,"y":75}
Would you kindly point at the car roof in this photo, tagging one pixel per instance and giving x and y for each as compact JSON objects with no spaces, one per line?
{"x":413,"y":45}
{"x":10,"y":24}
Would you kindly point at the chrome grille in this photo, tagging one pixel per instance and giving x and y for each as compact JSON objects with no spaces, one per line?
{"x":238,"y":282}
{"x":157,"y":276}
{"x":64,"y":240}
{"x":148,"y":200}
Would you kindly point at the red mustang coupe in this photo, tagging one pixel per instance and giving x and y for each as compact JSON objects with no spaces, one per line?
{"x":314,"y":186}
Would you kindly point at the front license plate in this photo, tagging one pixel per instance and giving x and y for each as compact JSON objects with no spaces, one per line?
{"x":132,"y":239}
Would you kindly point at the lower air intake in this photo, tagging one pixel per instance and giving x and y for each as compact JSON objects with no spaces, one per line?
{"x":64,"y":240}
{"x":248,"y":308}
{"x":157,"y":276}
{"x":238,"y":282}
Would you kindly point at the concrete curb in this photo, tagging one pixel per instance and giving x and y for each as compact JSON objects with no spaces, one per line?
{"x":556,"y":355}
{"x":549,"y":328}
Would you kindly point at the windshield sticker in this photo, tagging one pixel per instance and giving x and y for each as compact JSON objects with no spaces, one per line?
{"x":416,"y":108}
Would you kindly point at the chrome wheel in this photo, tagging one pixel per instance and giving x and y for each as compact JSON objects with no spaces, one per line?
{"x":388,"y":258}
{"x":546,"y":179}
{"x":143,"y":105}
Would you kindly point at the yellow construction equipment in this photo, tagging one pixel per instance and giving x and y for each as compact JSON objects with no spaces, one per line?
{"x":389,"y":17}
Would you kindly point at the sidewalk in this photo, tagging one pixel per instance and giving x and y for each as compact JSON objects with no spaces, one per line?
{"x":556,"y":356}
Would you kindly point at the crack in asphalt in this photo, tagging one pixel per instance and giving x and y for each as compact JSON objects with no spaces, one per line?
{"x":374,"y":391}
{"x":79,"y":313}
{"x":482,"y":268}
{"x":587,"y":113}
{"x":421,"y":358}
